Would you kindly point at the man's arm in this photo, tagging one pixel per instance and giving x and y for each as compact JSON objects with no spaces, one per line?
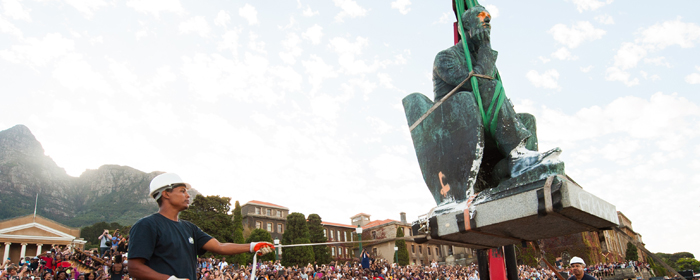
{"x":138,"y":269}
{"x":216,"y":247}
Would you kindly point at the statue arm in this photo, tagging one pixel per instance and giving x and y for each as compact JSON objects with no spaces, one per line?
{"x":450,"y":67}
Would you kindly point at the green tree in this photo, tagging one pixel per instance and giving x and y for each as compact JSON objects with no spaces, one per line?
{"x":210,"y":213}
{"x":238,"y":235}
{"x":688,"y":264}
{"x":297,"y":233}
{"x":321,"y":253}
{"x":403,"y":251}
{"x":631,"y":253}
{"x":256,"y":235}
{"x":92,"y":232}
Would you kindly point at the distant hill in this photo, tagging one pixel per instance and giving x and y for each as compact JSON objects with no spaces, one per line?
{"x":112,"y":193}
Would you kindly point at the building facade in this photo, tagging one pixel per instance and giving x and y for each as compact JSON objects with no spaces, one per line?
{"x":29,"y":235}
{"x":336,"y":232}
{"x":265,"y":215}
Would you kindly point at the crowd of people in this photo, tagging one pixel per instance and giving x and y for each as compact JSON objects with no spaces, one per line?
{"x":56,"y":265}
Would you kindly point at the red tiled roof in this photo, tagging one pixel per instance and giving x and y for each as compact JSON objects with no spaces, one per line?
{"x":265,"y":203}
{"x":337,"y":224}
{"x":378,"y":223}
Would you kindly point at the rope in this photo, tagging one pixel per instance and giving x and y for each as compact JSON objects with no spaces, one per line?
{"x":352,"y":242}
{"x":437,"y":104}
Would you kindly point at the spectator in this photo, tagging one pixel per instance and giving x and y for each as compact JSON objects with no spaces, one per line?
{"x":104,"y":240}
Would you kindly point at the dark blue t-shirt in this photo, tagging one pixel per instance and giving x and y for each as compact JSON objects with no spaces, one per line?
{"x":169,"y":247}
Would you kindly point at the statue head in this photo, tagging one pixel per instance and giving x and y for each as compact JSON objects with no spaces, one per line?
{"x":477,"y":23}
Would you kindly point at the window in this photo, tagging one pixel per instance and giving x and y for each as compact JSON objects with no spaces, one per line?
{"x":428,"y":249}
{"x":279,"y":214}
{"x":331,"y":236}
{"x":257,"y":210}
{"x":258,"y":224}
{"x":269,"y":212}
{"x":324,"y":232}
{"x":345,"y":233}
{"x":346,"y":251}
{"x":409,"y":232}
{"x":374,"y":234}
{"x":338,"y":234}
{"x":413,"y":249}
{"x":269,"y":227}
{"x":279,"y":228}
{"x":333,"y":251}
{"x":437,"y":251}
{"x":420,"y":249}
{"x":414,"y":261}
{"x":374,"y":252}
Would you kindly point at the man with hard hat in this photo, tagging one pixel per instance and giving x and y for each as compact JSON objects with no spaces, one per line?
{"x":577,"y":265}
{"x":163,"y":247}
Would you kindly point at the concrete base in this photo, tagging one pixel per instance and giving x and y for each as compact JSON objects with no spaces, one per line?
{"x":537,"y":213}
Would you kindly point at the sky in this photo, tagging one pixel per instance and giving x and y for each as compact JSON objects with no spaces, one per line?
{"x":298,"y":103}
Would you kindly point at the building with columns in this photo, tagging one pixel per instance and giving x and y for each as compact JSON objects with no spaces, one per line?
{"x":29,"y":235}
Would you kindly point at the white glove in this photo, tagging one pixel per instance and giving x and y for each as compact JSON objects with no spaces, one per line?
{"x":261,"y":247}
{"x":172,"y":277}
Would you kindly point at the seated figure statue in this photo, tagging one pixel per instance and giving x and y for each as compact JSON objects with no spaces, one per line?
{"x":450,"y":69}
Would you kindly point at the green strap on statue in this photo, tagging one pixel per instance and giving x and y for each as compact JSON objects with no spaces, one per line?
{"x":490,"y":118}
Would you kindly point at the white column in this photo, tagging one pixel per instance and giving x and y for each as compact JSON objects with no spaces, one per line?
{"x":7,"y":251}
{"x":23,"y":251}
{"x":38,"y":248}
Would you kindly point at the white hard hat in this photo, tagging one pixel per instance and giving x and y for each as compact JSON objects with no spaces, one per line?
{"x":577,"y":260}
{"x":164,"y":181}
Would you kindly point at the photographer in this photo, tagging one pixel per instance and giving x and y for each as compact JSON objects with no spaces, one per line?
{"x":104,"y":239}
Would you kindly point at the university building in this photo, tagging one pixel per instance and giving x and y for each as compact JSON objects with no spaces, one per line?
{"x":30,"y":235}
{"x":265,"y":215}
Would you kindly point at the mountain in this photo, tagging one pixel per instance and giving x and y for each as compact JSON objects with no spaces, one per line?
{"x":112,"y":193}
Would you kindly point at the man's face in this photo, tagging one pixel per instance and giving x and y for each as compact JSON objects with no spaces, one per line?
{"x":179,"y":197}
{"x":577,"y":269}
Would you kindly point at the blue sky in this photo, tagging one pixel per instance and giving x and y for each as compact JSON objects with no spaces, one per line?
{"x":299,"y":102}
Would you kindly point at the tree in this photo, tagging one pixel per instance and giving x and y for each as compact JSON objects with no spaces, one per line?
{"x":688,"y":264}
{"x":92,"y":232}
{"x":403,"y":251}
{"x":631,"y":253}
{"x":256,"y":235}
{"x":321,"y":253}
{"x":210,"y":213}
{"x":297,"y":233}
{"x":238,"y":235}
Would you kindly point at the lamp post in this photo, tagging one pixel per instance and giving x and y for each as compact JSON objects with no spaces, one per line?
{"x":277,"y":249}
{"x":359,"y":236}
{"x":396,"y":255}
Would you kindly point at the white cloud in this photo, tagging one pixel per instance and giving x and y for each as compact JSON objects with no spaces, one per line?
{"x":87,"y":7}
{"x":14,"y":10}
{"x":547,"y":80}
{"x":196,"y":25}
{"x":629,"y":55}
{"x":349,"y":8}
{"x":222,"y":18}
{"x":155,"y":7}
{"x":671,"y":33}
{"x":317,"y":71}
{"x":658,"y":61}
{"x":604,"y":19}
{"x":230,"y":41}
{"x":445,"y":18}
{"x":402,"y":5}
{"x":578,"y":33}
{"x":249,"y":13}
{"x":348,"y":51}
{"x":378,"y":125}
{"x":74,"y":73}
{"x":694,"y":79}
{"x":585,"y":5}
{"x":291,"y":47}
{"x":493,"y":10}
{"x":308,"y":12}
{"x":544,"y":59}
{"x":9,"y":28}
{"x":39,"y":52}
{"x":616,"y":74}
{"x":254,"y":44}
{"x":564,"y":54}
{"x":343,"y":46}
{"x":314,"y":34}
{"x":586,"y":69}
